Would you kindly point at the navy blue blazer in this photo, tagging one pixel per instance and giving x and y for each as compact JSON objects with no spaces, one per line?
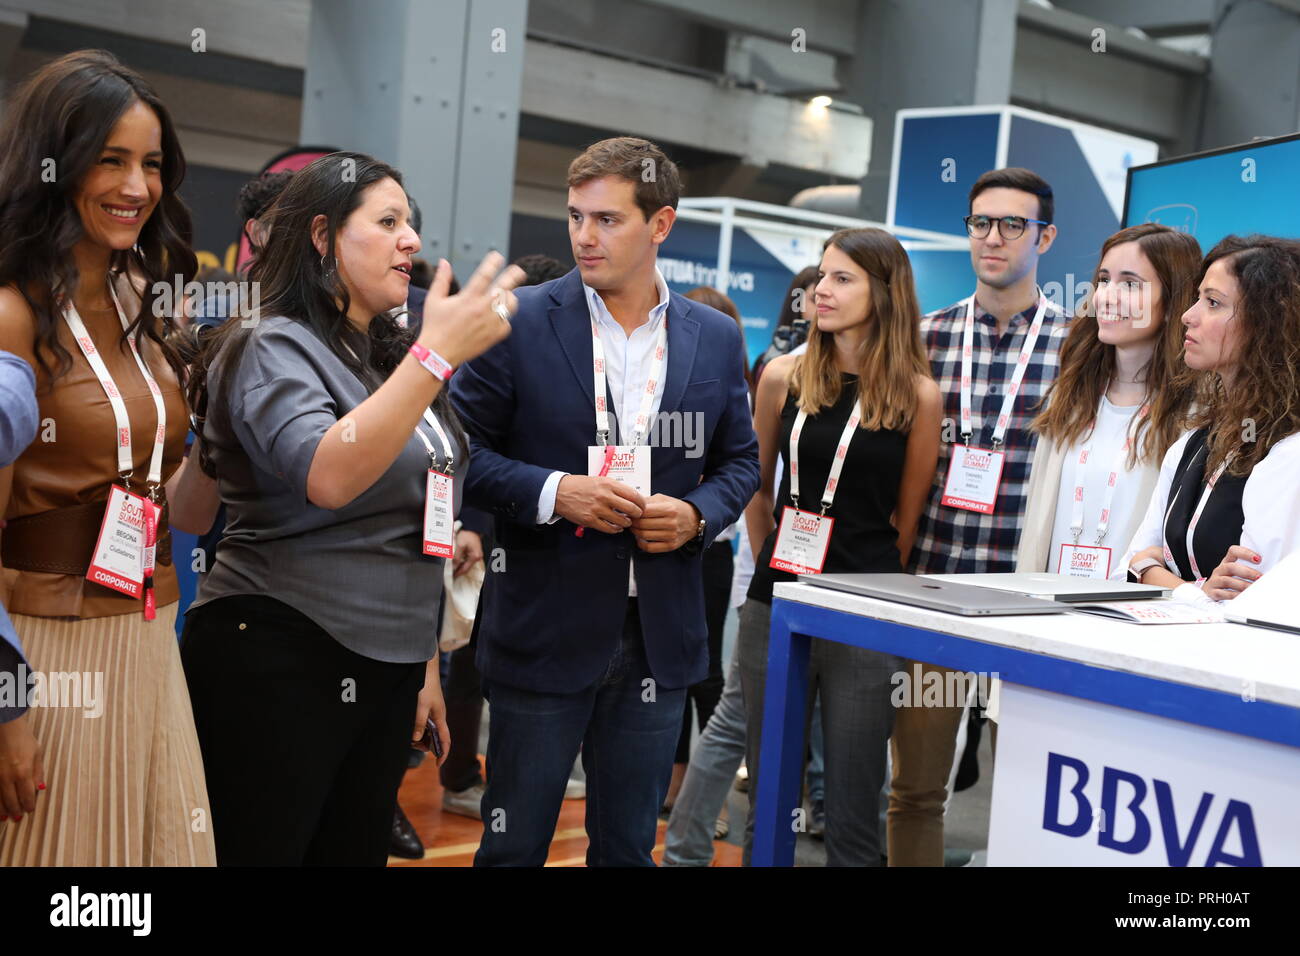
{"x":554,"y":604}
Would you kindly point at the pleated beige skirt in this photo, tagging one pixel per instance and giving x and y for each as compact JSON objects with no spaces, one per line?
{"x":123,"y":771}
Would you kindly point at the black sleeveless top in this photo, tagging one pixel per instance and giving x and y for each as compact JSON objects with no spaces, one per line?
{"x":1221,"y":522}
{"x":862,"y":538}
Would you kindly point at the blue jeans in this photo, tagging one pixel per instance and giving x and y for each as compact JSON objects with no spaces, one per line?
{"x":627,"y":727}
{"x":709,"y":777}
{"x":816,"y":762}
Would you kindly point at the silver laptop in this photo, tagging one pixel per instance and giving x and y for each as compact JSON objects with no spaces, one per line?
{"x":1058,"y":587}
{"x":964,"y":599}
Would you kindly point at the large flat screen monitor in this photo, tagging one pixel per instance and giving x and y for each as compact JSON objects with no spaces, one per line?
{"x":1254,"y":187}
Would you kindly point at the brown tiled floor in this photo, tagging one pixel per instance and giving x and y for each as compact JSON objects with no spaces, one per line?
{"x":450,"y":839}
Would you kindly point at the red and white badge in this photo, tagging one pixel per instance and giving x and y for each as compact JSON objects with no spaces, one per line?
{"x":801,"y":541}
{"x":439,"y":520}
{"x":973,"y":478}
{"x":1085,"y":561}
{"x":629,"y":464}
{"x":439,"y":538}
{"x":119,"y":560}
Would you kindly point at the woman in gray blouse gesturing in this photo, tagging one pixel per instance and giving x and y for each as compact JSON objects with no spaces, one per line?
{"x":312,"y":644}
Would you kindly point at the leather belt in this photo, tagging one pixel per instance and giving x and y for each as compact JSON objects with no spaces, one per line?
{"x":62,"y":541}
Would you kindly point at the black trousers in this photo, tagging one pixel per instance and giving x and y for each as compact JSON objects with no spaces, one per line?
{"x":304,"y":741}
{"x":718,"y":565}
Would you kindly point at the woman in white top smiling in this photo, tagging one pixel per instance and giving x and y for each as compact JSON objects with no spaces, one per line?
{"x":1226,"y":507}
{"x":1119,"y":403}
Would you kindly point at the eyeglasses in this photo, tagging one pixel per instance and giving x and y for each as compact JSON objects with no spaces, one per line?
{"x":1009,"y":227}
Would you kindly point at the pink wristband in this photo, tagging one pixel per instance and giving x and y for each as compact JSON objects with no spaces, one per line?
{"x":438,"y":366}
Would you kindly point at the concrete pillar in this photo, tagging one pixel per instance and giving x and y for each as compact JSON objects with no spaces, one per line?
{"x":925,"y":53}
{"x":434,"y":89}
{"x":1254,"y":85}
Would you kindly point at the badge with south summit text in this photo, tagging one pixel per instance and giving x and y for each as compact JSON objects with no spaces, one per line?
{"x":973,"y":479}
{"x":1084,"y":561}
{"x":119,"y":561}
{"x":801,"y":542}
{"x":439,"y":525}
{"x":629,"y":464}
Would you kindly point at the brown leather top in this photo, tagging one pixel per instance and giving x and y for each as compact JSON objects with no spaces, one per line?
{"x":74,"y":461}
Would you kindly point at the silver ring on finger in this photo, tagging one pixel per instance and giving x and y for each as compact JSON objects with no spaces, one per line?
{"x":500,"y":309}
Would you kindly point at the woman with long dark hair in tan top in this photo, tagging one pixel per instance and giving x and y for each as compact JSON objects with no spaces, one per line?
{"x":91,"y":219}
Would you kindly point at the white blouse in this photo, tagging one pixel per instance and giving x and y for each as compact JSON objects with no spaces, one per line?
{"x":1107,"y":439}
{"x":1270,"y":503}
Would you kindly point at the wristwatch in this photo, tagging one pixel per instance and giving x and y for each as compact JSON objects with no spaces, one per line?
{"x":696,"y":543}
{"x":1138,"y":568}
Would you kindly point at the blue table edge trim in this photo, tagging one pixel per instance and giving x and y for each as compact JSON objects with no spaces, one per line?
{"x":1262,"y":720}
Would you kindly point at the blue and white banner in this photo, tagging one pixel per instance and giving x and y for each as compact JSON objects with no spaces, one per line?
{"x":762,"y":265}
{"x":1079,"y":783}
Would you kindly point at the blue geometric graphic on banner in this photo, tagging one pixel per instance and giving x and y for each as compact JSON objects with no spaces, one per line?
{"x":965,"y":145}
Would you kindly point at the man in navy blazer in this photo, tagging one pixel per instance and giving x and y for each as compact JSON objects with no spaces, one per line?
{"x":593,"y":610}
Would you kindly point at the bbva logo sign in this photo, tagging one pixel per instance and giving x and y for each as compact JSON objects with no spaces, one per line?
{"x":1180,"y":838}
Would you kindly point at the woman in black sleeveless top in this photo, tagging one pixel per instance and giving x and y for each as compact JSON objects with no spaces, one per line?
{"x":1226,"y":508}
{"x":863,"y":538}
{"x":864,"y":359}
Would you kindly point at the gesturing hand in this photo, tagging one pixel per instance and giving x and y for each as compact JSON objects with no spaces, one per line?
{"x":463,"y":326}
{"x":1232,"y":576}
{"x":665,"y":525}
{"x":602,"y":504}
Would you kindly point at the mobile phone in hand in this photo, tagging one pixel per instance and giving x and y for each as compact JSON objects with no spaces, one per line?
{"x":432,"y":741}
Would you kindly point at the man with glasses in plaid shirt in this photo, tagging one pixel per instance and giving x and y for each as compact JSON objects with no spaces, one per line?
{"x":973,"y":518}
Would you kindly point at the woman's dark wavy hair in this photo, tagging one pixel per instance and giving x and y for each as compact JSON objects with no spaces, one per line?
{"x":295,"y":281}
{"x":1265,"y":393}
{"x":64,"y":112}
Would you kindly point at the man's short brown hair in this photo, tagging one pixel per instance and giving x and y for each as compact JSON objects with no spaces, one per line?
{"x":1027,"y":181}
{"x":640,"y":162}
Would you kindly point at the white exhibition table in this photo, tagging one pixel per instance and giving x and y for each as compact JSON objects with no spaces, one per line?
{"x":1118,"y":743}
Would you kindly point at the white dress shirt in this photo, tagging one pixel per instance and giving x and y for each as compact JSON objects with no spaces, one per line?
{"x":1270,"y":504}
{"x":628,"y":362}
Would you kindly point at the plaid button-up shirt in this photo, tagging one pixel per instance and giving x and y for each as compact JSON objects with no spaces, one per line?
{"x":953,"y":540}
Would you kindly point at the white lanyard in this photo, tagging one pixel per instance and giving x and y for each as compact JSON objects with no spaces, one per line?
{"x":837,"y":464}
{"x":642,"y":424}
{"x":1009,"y":400}
{"x":125,"y":460}
{"x":432,"y":420}
{"x":1196,"y":516}
{"x":1112,"y":480}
